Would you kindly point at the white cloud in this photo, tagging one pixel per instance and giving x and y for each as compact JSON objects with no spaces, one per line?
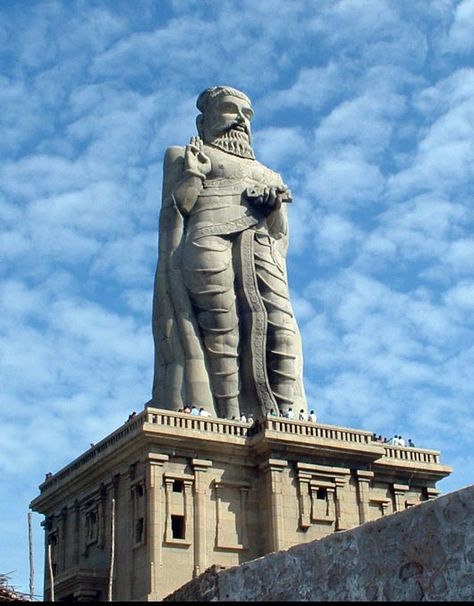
{"x":335,"y":237}
{"x":312,"y":90}
{"x":459,"y":255}
{"x":345,"y":180}
{"x":414,"y":230}
{"x":377,"y":35}
{"x":277,"y":147}
{"x":366,"y":121}
{"x":461,"y":297}
{"x":445,"y":154}
{"x":459,"y":38}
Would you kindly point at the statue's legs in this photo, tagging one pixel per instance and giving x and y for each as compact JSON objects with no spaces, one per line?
{"x":209,"y":277}
{"x":281,"y":331}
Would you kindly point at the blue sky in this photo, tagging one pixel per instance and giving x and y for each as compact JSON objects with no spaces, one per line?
{"x":366,"y":107}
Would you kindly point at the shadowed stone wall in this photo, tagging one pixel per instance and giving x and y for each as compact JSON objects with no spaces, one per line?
{"x":424,"y":553}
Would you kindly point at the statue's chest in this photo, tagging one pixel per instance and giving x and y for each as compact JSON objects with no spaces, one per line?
{"x":228,"y":168}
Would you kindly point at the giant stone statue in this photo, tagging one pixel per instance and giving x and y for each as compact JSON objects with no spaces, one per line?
{"x":225,"y":334}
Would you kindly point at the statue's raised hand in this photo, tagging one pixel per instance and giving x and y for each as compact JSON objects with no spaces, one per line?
{"x":196,"y":163}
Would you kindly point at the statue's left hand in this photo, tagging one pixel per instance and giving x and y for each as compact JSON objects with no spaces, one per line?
{"x":271,"y":198}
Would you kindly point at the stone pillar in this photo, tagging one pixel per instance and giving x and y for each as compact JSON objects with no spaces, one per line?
{"x":154,"y":532}
{"x":399,"y":491}
{"x":168,"y":490}
{"x":200,"y":467}
{"x":272,"y":470}
{"x":331,"y":503}
{"x":127,"y":510}
{"x":363,"y":481}
{"x":244,"y":493}
{"x":431,"y":493}
{"x":341,"y":522}
{"x":63,"y":535}
{"x":103,"y":516}
{"x":76,"y":543}
{"x":304,"y":500}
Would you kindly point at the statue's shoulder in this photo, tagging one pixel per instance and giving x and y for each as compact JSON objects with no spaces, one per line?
{"x":272,"y":174}
{"x":174,"y":153}
{"x":173,"y":166}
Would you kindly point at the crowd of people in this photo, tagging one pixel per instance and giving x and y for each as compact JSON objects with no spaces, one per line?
{"x":249,"y":418}
{"x":394,"y":441}
{"x":195,"y":411}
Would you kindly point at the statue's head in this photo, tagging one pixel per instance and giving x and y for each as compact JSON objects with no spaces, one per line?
{"x":225,"y":119}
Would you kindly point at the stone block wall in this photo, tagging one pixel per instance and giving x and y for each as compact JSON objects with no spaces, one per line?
{"x":425,"y":553}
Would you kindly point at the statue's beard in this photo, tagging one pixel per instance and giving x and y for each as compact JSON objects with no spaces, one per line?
{"x":234,"y":142}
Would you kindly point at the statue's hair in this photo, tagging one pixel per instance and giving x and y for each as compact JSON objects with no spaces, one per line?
{"x":211,"y":93}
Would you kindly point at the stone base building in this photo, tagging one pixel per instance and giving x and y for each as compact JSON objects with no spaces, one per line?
{"x":188,"y":492}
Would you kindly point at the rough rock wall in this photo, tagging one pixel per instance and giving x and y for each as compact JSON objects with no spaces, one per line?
{"x":425,"y":553}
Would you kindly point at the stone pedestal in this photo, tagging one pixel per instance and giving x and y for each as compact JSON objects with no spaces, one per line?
{"x":191,"y":492}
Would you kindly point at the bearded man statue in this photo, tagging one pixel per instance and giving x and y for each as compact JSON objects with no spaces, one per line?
{"x":225,"y":335}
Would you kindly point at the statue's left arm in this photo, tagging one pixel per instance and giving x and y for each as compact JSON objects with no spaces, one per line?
{"x":273,"y":200}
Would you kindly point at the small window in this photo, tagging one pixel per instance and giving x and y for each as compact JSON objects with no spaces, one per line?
{"x":177,"y":526}
{"x":91,"y":527}
{"x":139,"y":529}
{"x":321,"y":494}
{"x":139,"y":490}
{"x":178,"y":486}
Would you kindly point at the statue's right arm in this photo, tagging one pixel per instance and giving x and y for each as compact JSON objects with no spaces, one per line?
{"x":178,"y":182}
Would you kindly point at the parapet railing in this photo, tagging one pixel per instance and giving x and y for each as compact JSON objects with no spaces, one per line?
{"x":313,"y":430}
{"x":187,"y":421}
{"x":415,"y":455}
{"x":240,"y":428}
{"x":237,"y":428}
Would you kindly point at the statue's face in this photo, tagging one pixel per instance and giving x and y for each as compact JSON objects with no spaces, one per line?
{"x":226,"y":114}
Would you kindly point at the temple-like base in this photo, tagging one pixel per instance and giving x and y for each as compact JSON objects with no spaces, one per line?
{"x":191,"y":491}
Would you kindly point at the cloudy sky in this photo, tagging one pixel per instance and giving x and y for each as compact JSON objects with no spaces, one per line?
{"x":366,"y":107}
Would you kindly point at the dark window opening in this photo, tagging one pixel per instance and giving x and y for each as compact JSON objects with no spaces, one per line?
{"x":139,"y":490}
{"x":177,"y":527}
{"x":178,"y":486}
{"x":321,"y":494}
{"x":91,"y":526}
{"x":139,"y":530}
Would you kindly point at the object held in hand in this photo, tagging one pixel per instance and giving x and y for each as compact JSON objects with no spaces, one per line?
{"x":256,"y":192}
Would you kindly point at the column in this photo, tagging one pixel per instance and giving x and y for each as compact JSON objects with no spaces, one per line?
{"x":244,"y":492}
{"x":103,"y":516}
{"x":399,"y":491}
{"x":76,"y":533}
{"x":200,"y":467}
{"x":304,"y":501}
{"x":364,"y":478}
{"x":168,"y":490}
{"x":431,"y":493}
{"x":154,"y":515}
{"x":63,"y":536}
{"x":331,"y":503}
{"x":341,"y":523}
{"x":272,"y":470}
